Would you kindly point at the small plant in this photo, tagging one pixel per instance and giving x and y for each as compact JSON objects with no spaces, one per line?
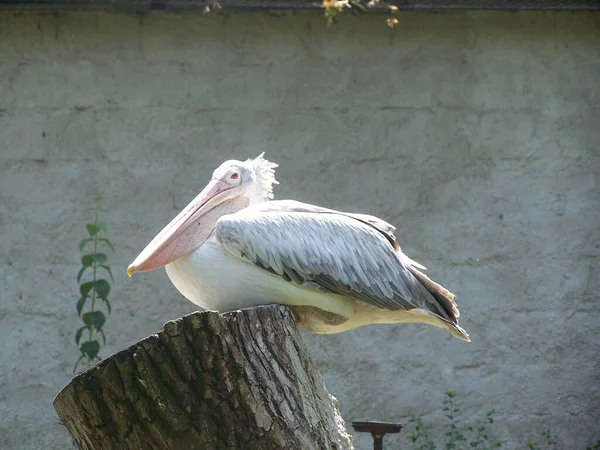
{"x":550,"y":443}
{"x":595,"y":447}
{"x":457,"y":436}
{"x":420,"y":435}
{"x":469,"y":436}
{"x":96,"y":288}
{"x":454,"y":433}
{"x":479,"y":434}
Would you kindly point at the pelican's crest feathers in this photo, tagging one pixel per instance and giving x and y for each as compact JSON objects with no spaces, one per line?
{"x":265,"y":173}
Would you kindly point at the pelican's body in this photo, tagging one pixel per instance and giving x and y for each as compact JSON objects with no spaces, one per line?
{"x":232,"y":248}
{"x":215,"y":280}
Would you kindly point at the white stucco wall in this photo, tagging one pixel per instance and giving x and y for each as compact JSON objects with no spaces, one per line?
{"x":476,"y":134}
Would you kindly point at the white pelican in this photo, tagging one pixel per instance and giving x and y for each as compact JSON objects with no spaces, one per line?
{"x":232,"y":248}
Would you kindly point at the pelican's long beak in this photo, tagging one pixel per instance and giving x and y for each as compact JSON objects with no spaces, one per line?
{"x":190,"y":229}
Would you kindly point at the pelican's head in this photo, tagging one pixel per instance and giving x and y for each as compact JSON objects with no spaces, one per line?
{"x":253,"y":178}
{"x":234,"y":186}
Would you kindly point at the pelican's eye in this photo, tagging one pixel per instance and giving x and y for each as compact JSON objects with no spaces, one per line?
{"x":234,"y":176}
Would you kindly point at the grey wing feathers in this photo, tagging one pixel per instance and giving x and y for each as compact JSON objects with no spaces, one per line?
{"x":293,"y":206}
{"x":334,"y":251}
{"x":348,"y":254}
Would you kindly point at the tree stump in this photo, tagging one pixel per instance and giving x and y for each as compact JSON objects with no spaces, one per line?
{"x":240,"y":380}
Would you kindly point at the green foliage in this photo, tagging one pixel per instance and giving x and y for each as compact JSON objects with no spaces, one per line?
{"x":595,"y":447}
{"x":334,"y":7}
{"x":549,"y":442}
{"x":479,"y":432}
{"x":475,"y":436}
{"x":420,"y":435}
{"x":93,"y":264}
{"x":454,"y":433}
{"x":456,"y":436}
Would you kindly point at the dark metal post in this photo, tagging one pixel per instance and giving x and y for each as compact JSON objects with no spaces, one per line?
{"x":377,"y":430}
{"x":377,"y":441}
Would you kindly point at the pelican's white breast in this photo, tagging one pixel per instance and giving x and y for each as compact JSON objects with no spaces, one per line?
{"x":214,"y":279}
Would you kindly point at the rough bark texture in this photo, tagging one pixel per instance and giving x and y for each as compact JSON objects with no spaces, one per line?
{"x":207,"y":381}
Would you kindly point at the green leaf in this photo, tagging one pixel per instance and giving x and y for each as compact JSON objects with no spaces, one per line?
{"x":97,"y":195}
{"x":94,"y":318}
{"x":78,"y":334}
{"x":87,"y":260}
{"x":90,"y":349}
{"x":103,"y":337}
{"x":102,"y":288}
{"x":85,"y":288}
{"x":107,"y":242}
{"x":105,"y":300}
{"x":80,"y":304}
{"x":107,"y":268}
{"x":80,"y":273}
{"x":100,"y":258}
{"x":101,"y":226}
{"x":83,"y":242}
{"x":86,"y":320}
{"x":91,"y":229}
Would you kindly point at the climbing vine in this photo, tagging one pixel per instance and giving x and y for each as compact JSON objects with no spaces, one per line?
{"x":335,"y":7}
{"x":96,"y":289}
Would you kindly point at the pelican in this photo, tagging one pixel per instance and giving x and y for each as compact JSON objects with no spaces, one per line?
{"x":234,"y":247}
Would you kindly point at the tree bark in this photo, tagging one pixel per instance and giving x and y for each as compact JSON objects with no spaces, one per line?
{"x":241,"y":380}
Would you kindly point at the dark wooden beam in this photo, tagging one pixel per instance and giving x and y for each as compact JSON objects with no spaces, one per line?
{"x":258,"y":5}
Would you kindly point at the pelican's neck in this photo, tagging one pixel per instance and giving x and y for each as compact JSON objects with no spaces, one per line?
{"x":255,"y":198}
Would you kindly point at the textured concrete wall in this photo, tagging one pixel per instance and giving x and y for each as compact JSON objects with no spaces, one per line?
{"x":477,"y":134}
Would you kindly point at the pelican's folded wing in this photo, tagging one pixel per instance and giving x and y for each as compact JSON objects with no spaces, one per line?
{"x":347,"y":254}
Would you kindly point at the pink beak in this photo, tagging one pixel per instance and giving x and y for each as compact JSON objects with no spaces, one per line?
{"x":191,"y":228}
